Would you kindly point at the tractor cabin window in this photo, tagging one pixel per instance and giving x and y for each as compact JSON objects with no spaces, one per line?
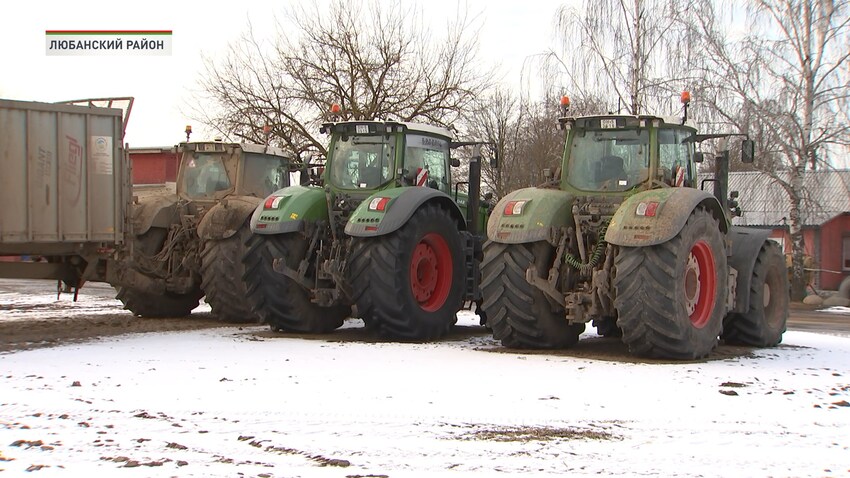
{"x":205,"y":175}
{"x":425,"y":160}
{"x":615,"y":160}
{"x":361,"y":162}
{"x":674,"y":157}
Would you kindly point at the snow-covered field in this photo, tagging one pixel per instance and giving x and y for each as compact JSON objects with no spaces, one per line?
{"x":242,"y":402}
{"x":245,"y":402}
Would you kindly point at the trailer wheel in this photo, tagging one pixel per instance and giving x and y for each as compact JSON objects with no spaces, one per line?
{"x":147,"y":304}
{"x":409,"y":284}
{"x":670,"y":297}
{"x":764,"y":322}
{"x":221,"y":272}
{"x":278,"y":300}
{"x":519,"y":313}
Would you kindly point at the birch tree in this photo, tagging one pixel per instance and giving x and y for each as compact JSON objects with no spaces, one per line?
{"x":635,"y":49}
{"x":787,"y":80}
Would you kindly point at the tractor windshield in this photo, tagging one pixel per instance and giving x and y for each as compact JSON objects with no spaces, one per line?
{"x":204,"y":175}
{"x":361,"y":162}
{"x":263,"y":174}
{"x":608,"y":160}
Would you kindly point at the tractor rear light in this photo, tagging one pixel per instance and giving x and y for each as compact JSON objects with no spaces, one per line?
{"x":272,"y":202}
{"x":379,"y":204}
{"x":647,"y":209}
{"x":514,"y":208}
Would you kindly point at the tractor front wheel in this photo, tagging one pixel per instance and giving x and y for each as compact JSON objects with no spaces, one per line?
{"x":409,"y":284}
{"x":671,"y":297}
{"x":764,"y":322}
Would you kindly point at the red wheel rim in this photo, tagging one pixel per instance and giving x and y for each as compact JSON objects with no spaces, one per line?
{"x":700,"y":284}
{"x":431,"y":272}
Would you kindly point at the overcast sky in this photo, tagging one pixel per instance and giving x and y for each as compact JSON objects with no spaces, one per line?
{"x":162,"y":85}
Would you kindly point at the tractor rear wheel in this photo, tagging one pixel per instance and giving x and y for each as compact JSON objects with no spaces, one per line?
{"x":147,"y":304}
{"x":409,"y":284}
{"x":518,"y":312}
{"x":671,"y":297}
{"x":221,"y":271}
{"x":764,"y":322}
{"x":277,"y":299}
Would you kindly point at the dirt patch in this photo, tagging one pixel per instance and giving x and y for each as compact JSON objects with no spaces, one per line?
{"x":528,"y":433}
{"x":24,"y":334}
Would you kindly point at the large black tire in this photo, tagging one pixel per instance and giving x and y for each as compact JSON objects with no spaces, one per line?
{"x":222,"y":270}
{"x":671,"y":297}
{"x":150,"y":305}
{"x":275,"y":298}
{"x":764,"y":322}
{"x":518,"y":312}
{"x":409,"y":284}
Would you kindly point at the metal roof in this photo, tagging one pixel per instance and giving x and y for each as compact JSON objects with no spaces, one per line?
{"x":764,"y":202}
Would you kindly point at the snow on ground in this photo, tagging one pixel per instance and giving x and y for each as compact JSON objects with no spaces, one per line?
{"x":244,"y":402}
{"x":837,"y":310}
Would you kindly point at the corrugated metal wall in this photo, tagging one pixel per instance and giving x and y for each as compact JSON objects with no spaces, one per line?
{"x":61,"y":173}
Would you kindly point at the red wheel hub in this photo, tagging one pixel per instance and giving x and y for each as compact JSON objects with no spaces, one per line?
{"x":700,"y":284}
{"x":431,"y":272}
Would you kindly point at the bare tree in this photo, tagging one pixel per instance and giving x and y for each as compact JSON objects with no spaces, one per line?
{"x":375,"y":59}
{"x":788,"y":82}
{"x":634,"y":48}
{"x":526,"y":137}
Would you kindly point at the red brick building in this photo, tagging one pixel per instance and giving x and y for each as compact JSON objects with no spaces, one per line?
{"x":825,"y":214}
{"x":154,"y":165}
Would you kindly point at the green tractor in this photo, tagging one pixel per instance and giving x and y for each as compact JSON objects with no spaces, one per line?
{"x":190,"y":244}
{"x":627,"y":238}
{"x":384,"y":229}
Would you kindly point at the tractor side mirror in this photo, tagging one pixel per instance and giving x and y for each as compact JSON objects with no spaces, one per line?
{"x":494,"y":160}
{"x":488,"y":197}
{"x":748,"y":151}
{"x":699,"y":157}
{"x":455,"y":162}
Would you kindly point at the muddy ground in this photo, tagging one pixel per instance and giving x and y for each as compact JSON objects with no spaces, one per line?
{"x":51,"y":322}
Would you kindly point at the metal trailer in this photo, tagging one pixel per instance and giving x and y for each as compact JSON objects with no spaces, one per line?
{"x":64,"y":190}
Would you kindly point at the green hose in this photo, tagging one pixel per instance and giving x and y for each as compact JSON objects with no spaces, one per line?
{"x":576,"y":263}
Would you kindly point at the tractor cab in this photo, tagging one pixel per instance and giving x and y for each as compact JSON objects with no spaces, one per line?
{"x":624,"y":154}
{"x":367,"y":156}
{"x":210,"y":171}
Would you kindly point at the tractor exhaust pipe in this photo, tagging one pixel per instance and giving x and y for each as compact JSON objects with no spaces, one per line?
{"x":474,"y":204}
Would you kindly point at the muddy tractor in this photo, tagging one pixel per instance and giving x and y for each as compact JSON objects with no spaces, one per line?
{"x":627,"y":236}
{"x":384,"y":230}
{"x":190,"y":244}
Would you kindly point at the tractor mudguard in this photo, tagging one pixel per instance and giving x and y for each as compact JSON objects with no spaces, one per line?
{"x":226,"y":217}
{"x":746,"y":243}
{"x":288,"y":209}
{"x":400,"y":205}
{"x":656,"y":216}
{"x":158,"y":211}
{"x":543,"y":213}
